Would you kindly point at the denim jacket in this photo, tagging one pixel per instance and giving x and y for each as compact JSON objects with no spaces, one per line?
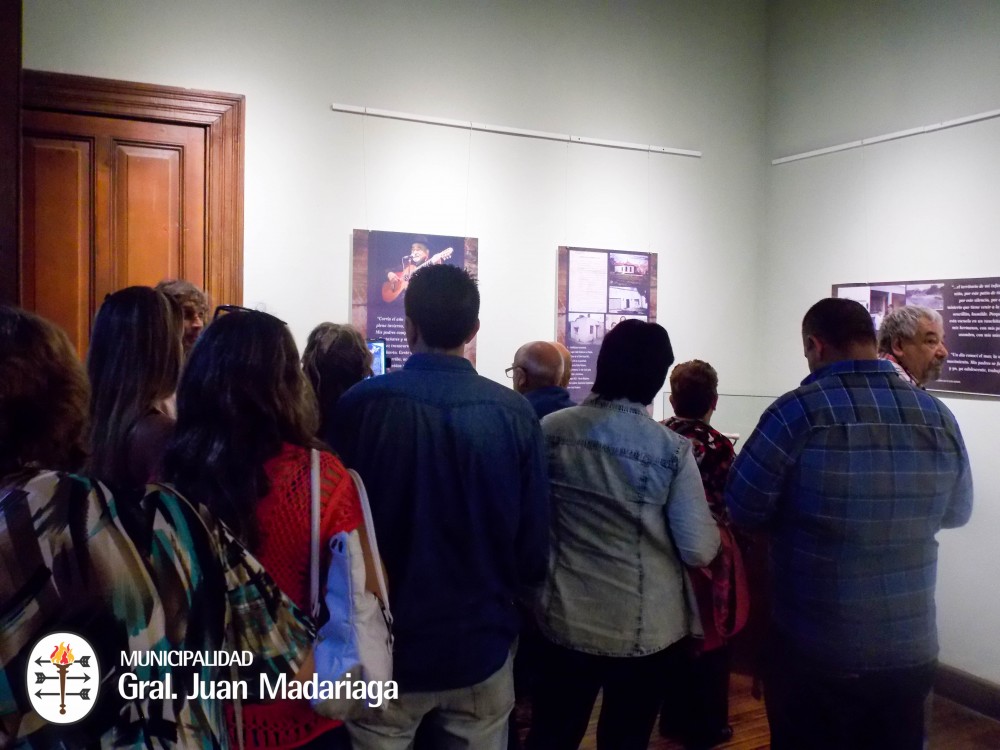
{"x":621,"y":486}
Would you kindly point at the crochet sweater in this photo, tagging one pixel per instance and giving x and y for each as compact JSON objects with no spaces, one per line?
{"x":283,"y":515}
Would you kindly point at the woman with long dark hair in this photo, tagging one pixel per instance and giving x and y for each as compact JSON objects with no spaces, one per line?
{"x":133,"y":362}
{"x":151,"y":575}
{"x":246,"y":421}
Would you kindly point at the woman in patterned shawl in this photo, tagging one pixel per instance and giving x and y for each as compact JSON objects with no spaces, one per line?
{"x":135,"y":579}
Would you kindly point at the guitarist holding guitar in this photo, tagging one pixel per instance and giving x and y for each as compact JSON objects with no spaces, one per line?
{"x":419,"y":257}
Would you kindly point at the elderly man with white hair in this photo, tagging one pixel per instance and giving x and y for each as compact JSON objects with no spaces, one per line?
{"x":912,"y":339}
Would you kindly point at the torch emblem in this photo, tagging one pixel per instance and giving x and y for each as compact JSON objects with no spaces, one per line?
{"x":62,"y":678}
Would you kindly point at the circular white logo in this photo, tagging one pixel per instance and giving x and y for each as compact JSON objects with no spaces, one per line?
{"x":62,"y":678}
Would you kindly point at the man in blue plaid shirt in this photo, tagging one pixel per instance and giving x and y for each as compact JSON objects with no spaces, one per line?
{"x":850,"y":476}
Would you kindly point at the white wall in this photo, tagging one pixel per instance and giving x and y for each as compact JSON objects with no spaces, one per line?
{"x":682,"y":73}
{"x":919,"y":208}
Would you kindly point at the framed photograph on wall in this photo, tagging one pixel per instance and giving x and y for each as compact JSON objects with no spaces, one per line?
{"x":383,"y":264}
{"x":597,"y":290}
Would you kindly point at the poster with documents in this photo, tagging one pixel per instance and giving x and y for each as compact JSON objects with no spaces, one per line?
{"x":598,"y":289}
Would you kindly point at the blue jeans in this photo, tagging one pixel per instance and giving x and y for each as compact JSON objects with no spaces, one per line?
{"x":468,"y":718}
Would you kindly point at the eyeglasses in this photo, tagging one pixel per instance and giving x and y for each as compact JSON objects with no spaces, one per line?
{"x":226,"y":309}
{"x":509,"y":372}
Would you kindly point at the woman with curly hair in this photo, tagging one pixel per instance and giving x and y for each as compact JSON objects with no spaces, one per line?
{"x":154,"y":574}
{"x":133,"y":362}
{"x":246,"y":424}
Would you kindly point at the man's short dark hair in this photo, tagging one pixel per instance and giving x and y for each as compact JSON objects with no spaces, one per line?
{"x":633,"y":362}
{"x":839,"y":322}
{"x":694,"y":387}
{"x":443,"y":302}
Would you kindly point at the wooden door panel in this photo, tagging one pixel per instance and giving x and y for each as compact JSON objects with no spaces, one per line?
{"x":146,"y":212}
{"x":145,"y":209}
{"x":163,"y":194}
{"x":57,"y":222}
{"x":156,"y":178}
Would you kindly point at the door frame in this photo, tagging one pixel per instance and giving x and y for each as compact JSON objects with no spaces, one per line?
{"x":10,"y":149}
{"x":222,"y":116}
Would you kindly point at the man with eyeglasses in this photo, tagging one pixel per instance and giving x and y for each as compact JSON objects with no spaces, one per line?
{"x":455,"y":468}
{"x":537,"y":373}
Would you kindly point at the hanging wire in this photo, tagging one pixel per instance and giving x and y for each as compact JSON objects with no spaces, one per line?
{"x":364,"y":168}
{"x":468,"y":184}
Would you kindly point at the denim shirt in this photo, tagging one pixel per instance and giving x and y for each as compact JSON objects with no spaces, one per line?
{"x":621,"y":486}
{"x":454,"y":465}
{"x":549,"y":399}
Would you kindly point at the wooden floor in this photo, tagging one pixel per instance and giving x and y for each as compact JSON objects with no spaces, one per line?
{"x":953,"y":728}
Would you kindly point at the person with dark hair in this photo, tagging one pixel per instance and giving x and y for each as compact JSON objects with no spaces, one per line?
{"x":697,"y":711}
{"x":194,"y":308}
{"x":246,"y":421}
{"x":537,"y":373}
{"x":153,"y":574}
{"x":133,"y":362}
{"x":851,"y":476}
{"x":44,"y":396}
{"x":335,"y":358}
{"x":445,"y":312}
{"x":911,"y":338}
{"x":837,"y":323}
{"x":628,"y":512}
{"x":455,"y":469}
{"x":633,"y":367}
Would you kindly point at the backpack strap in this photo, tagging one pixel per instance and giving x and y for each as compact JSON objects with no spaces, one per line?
{"x":314,"y":489}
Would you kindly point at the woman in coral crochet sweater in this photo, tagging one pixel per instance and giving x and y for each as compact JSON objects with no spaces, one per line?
{"x":245,"y":426}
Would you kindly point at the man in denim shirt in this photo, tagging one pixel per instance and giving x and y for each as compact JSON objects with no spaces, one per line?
{"x":851,"y":475}
{"x":455,"y":469}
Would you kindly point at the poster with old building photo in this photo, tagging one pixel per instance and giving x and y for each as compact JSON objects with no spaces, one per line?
{"x":598,"y":289}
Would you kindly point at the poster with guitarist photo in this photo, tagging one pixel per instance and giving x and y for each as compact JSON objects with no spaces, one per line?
{"x":384,"y":263}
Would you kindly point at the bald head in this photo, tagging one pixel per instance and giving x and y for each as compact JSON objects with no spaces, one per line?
{"x":567,"y":361}
{"x":537,"y":365}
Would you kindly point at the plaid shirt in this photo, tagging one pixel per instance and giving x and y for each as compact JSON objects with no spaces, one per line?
{"x":853,"y":474}
{"x":142,"y":573}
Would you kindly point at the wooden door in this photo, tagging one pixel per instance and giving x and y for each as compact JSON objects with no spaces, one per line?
{"x":107,"y":203}
{"x":117,"y":194}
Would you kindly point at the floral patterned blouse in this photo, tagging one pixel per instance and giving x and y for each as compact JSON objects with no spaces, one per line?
{"x":133,"y":575}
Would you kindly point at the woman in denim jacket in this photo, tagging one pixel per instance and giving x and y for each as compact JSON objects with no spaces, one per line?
{"x":628,"y":512}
